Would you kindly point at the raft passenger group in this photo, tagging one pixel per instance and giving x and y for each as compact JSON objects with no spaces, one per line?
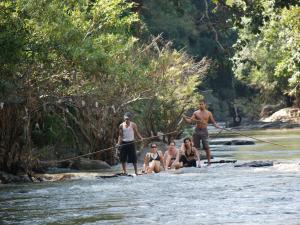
{"x":187,"y":156}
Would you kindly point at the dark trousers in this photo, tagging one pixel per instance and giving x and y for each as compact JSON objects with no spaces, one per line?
{"x":128,"y":152}
{"x":186,"y":162}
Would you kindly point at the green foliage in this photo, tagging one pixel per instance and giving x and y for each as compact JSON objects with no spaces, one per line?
{"x":78,"y":66}
{"x":73,"y":41}
{"x":52,"y":132}
{"x":190,"y":25}
{"x":175,"y":22}
{"x":13,"y":37}
{"x":177,"y":76}
{"x":270,"y":59}
{"x":202,"y":29}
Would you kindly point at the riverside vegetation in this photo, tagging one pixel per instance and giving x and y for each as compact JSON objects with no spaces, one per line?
{"x":70,"y":69}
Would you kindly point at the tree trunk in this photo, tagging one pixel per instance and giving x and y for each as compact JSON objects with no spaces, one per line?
{"x":14,"y":144}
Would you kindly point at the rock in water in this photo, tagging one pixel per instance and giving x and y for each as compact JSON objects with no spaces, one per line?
{"x":256,"y":164}
{"x":6,"y":178}
{"x":88,"y":164}
{"x":239,"y":142}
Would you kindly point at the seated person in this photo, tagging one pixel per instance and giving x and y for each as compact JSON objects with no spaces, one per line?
{"x":189,"y":154}
{"x":171,"y":157}
{"x":153,"y":160}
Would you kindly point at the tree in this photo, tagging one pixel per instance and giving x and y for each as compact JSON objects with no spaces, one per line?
{"x":74,"y":68}
{"x":202,"y":29}
{"x":269,"y":58}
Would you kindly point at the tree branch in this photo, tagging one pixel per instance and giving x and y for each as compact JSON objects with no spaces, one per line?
{"x":212,"y":27}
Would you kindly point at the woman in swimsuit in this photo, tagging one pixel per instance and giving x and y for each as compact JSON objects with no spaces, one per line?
{"x":153,"y":160}
{"x":189,"y":154}
{"x":171,"y":157}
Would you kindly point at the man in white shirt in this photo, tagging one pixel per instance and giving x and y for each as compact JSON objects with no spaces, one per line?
{"x":127,"y":132}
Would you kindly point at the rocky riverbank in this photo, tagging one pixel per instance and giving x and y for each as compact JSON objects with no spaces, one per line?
{"x":55,"y":171}
{"x":286,"y":118}
{"x":262,"y":125}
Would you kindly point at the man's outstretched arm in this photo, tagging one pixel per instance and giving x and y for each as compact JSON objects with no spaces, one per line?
{"x":212,"y":119}
{"x":137,"y":132}
{"x":191,"y":119}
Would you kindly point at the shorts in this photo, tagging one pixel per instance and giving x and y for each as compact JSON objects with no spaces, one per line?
{"x":200,"y":134}
{"x":187,"y":163}
{"x":127,"y":152}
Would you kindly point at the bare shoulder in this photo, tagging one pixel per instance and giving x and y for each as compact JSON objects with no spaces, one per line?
{"x":209,"y":112}
{"x":196,"y":112}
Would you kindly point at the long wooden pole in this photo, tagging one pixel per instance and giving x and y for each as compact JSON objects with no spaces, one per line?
{"x":229,"y":130}
{"x":269,"y":142}
{"x":105,"y":149}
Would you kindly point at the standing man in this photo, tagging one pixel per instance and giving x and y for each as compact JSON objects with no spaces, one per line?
{"x":201,"y":117}
{"x":127,"y":132}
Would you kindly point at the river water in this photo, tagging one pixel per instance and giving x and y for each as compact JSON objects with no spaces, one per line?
{"x":218,"y":194}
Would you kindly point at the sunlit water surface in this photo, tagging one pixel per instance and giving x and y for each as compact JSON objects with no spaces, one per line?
{"x":219,"y":194}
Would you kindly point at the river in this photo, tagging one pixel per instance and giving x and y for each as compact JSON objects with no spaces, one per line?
{"x":218,"y":194}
